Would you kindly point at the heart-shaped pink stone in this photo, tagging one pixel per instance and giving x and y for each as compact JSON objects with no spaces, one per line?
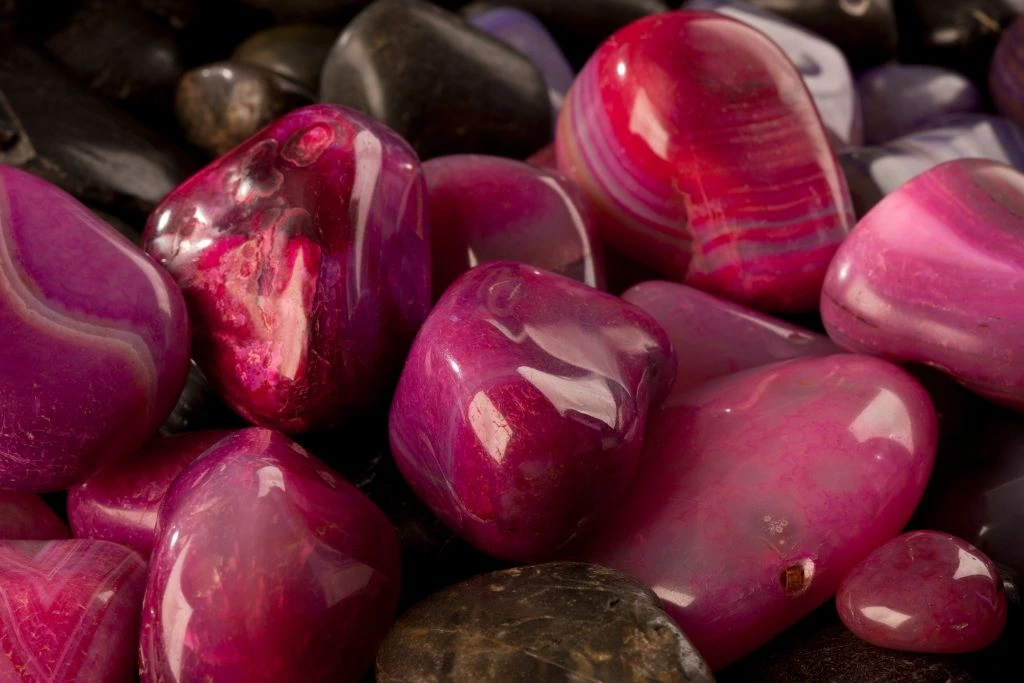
{"x":69,"y":611}
{"x":25,"y":516}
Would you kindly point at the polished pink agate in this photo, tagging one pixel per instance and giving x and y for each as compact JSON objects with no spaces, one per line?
{"x":120,"y":502}
{"x":714,"y":337}
{"x":304,"y":258}
{"x":95,"y":339}
{"x":485,"y":208}
{"x":759,"y":491}
{"x":702,"y":151}
{"x":521,"y":411}
{"x":26,"y":516}
{"x":924,"y":591}
{"x":69,"y":611}
{"x":268,"y":567}
{"x":931,"y":275}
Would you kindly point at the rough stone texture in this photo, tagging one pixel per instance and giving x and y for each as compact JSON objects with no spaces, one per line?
{"x":26,"y":516}
{"x":552,"y":622}
{"x":295,"y":51}
{"x":95,"y":339}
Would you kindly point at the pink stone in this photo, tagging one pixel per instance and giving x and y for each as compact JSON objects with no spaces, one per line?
{"x":26,"y":516}
{"x":760,"y":490}
{"x":931,"y":275}
{"x":120,"y":502}
{"x":520,"y":413}
{"x":924,"y":591}
{"x":69,"y":611}
{"x":714,"y":337}
{"x":304,"y":258}
{"x":704,"y":156}
{"x":94,"y":337}
{"x":485,"y":208}
{"x":268,"y":567}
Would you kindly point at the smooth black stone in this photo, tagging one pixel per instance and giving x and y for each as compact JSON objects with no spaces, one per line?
{"x":198,"y":408}
{"x":856,"y":165}
{"x":223,"y":104}
{"x":295,"y":51}
{"x":123,"y":52}
{"x":443,"y":85}
{"x":561,"y":621}
{"x":957,"y":34}
{"x":580,"y":26}
{"x":133,"y":234}
{"x":865,"y":30}
{"x":55,"y":128}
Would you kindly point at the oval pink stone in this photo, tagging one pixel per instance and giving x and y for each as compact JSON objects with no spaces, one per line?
{"x":759,"y":491}
{"x":26,"y":516}
{"x":924,"y":591}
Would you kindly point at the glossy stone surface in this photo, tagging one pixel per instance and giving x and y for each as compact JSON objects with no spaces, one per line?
{"x":26,"y":516}
{"x":69,"y":611}
{"x":714,"y":337}
{"x":443,"y":85}
{"x":488,"y":209}
{"x":1006,"y":75}
{"x":900,"y":99}
{"x":928,"y":277}
{"x":295,"y":51}
{"x":268,"y":564}
{"x":304,"y":257}
{"x":527,"y":34}
{"x":821,"y":64}
{"x":120,"y":502}
{"x":520,"y":412}
{"x":759,"y":491}
{"x":548,"y":622}
{"x":924,"y":591}
{"x":865,"y":30}
{"x":652,"y":159}
{"x":95,"y":339}
{"x":55,"y":128}
{"x":221,"y":105}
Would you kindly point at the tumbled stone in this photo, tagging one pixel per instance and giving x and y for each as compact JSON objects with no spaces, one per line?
{"x":714,"y":337}
{"x":556,"y":621}
{"x":544,"y":158}
{"x":26,"y":516}
{"x":916,"y":280}
{"x":198,"y":407}
{"x":821,"y":64}
{"x":304,"y":258}
{"x":520,"y":412}
{"x":489,"y":209}
{"x":760,"y":490}
{"x":295,"y":51}
{"x":924,"y":591}
{"x":759,"y":230}
{"x":95,"y":339}
{"x":268,"y":565}
{"x":899,"y":99}
{"x":120,"y":502}
{"x":444,"y":86}
{"x":1006,"y":75}
{"x":69,"y":611}
{"x":221,"y":105}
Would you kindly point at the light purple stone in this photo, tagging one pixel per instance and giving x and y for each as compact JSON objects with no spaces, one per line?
{"x":1006,"y":75}
{"x":95,"y":339}
{"x":487,"y":208}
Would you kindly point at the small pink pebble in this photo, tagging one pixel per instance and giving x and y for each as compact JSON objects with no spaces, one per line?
{"x":924,"y":591}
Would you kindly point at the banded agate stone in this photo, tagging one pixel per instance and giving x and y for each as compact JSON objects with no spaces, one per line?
{"x":304,"y":258}
{"x":704,"y":155}
{"x":95,"y":339}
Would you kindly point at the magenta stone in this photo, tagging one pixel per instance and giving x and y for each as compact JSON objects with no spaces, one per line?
{"x":95,"y":339}
{"x":120,"y":502}
{"x":304,"y":257}
{"x":760,"y":490}
{"x":522,"y":407}
{"x":714,"y":337}
{"x":931,"y":275}
{"x":1006,"y":74}
{"x":268,"y":567}
{"x":26,"y":516}
{"x":69,"y":611}
{"x":486,"y":208}
{"x":924,"y":591}
{"x":705,"y":158}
